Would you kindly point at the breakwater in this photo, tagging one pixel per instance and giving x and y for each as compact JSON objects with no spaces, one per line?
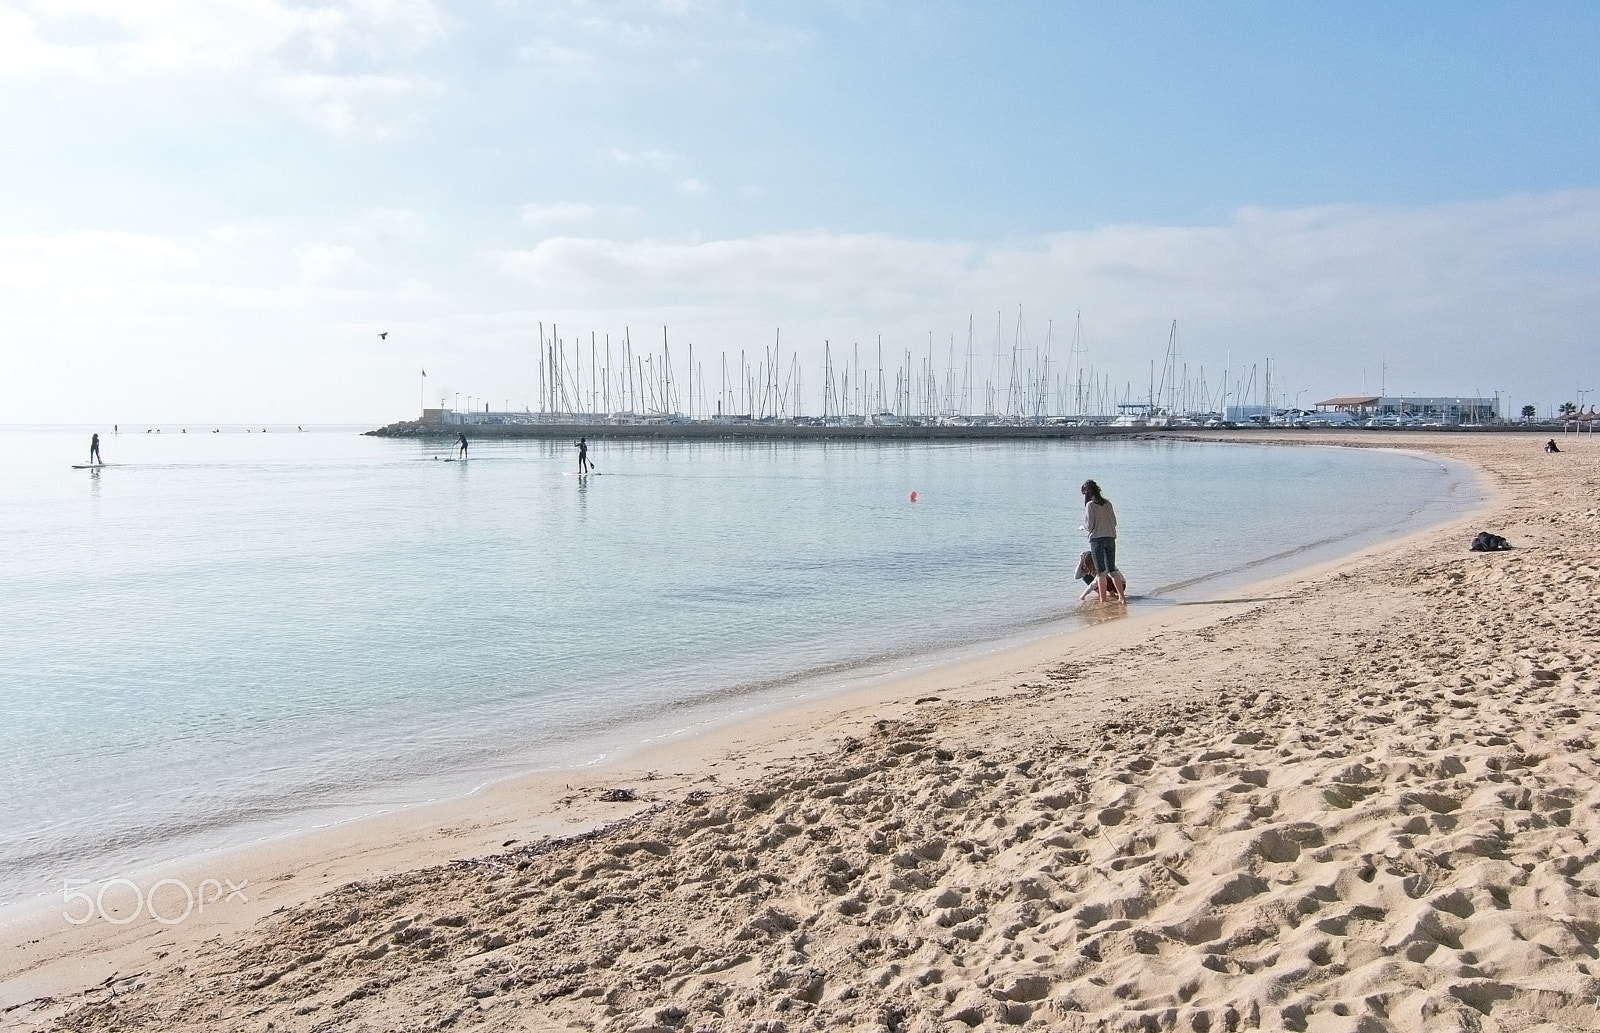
{"x":790,"y":431}
{"x":705,"y":431}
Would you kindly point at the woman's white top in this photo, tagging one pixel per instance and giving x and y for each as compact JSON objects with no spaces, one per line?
{"x":1099,"y":520}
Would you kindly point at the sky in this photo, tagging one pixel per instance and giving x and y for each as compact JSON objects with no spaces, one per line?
{"x":212,"y":208}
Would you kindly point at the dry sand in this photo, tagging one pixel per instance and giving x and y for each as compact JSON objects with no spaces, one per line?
{"x":1361,"y":798}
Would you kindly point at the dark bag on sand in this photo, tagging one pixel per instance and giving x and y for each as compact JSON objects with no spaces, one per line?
{"x":1086,"y":571}
{"x":1486,"y":542}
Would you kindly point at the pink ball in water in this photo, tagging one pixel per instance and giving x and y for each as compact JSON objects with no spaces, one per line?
{"x":913,"y":496}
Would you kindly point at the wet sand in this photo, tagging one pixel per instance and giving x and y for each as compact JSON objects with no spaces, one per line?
{"x":1362,"y":797}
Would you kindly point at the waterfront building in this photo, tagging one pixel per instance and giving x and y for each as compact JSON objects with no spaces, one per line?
{"x":1440,"y":410}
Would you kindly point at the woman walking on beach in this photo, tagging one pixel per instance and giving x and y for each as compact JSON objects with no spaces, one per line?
{"x":1100,"y":524}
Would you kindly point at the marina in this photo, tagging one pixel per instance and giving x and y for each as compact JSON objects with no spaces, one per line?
{"x":1025,"y":392}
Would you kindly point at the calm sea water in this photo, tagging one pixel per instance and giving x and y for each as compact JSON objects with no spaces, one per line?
{"x":232,"y":634}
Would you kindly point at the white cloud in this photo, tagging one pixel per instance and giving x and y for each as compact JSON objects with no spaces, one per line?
{"x":78,"y":261}
{"x":783,"y":271}
{"x":392,"y":223}
{"x":1446,"y":295}
{"x":378,"y":28}
{"x":628,"y":31}
{"x":375,"y":105}
{"x":691,"y":187}
{"x":229,"y":324}
{"x":686,"y":8}
{"x":97,"y":37}
{"x":159,"y":35}
{"x":641,"y":159}
{"x":260,"y":319}
{"x":22,"y":51}
{"x":1258,"y":262}
{"x":539,"y":215}
{"x":559,"y":63}
{"x":329,"y":264}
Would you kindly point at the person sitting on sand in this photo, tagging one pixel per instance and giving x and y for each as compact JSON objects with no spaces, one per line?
{"x":1551,"y":446}
{"x":1100,"y":524}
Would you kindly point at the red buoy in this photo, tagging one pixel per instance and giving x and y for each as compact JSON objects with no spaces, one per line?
{"x":913,"y":496}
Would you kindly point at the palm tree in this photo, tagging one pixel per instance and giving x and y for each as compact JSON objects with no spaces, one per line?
{"x":1568,"y":408}
{"x":1529,"y":412}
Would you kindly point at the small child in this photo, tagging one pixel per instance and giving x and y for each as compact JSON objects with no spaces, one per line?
{"x":1087,"y":573}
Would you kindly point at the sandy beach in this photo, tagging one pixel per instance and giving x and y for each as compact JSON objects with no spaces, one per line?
{"x":1363,"y":797}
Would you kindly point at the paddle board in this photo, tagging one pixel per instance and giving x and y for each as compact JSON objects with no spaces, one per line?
{"x":90,"y":466}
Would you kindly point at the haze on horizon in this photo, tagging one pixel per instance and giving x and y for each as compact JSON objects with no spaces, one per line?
{"x":213,"y":207}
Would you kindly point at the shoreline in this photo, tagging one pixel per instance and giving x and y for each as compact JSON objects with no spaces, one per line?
{"x":290,"y":869}
{"x":432,"y":835}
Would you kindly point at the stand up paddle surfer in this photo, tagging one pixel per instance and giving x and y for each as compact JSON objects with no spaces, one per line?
{"x":583,"y":456}
{"x":94,"y":449}
{"x":462,"y":438}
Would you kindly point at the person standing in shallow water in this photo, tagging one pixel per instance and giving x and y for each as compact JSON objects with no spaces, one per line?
{"x":94,"y":449}
{"x":1100,"y":524}
{"x":583,"y":456}
{"x":461,"y":445}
